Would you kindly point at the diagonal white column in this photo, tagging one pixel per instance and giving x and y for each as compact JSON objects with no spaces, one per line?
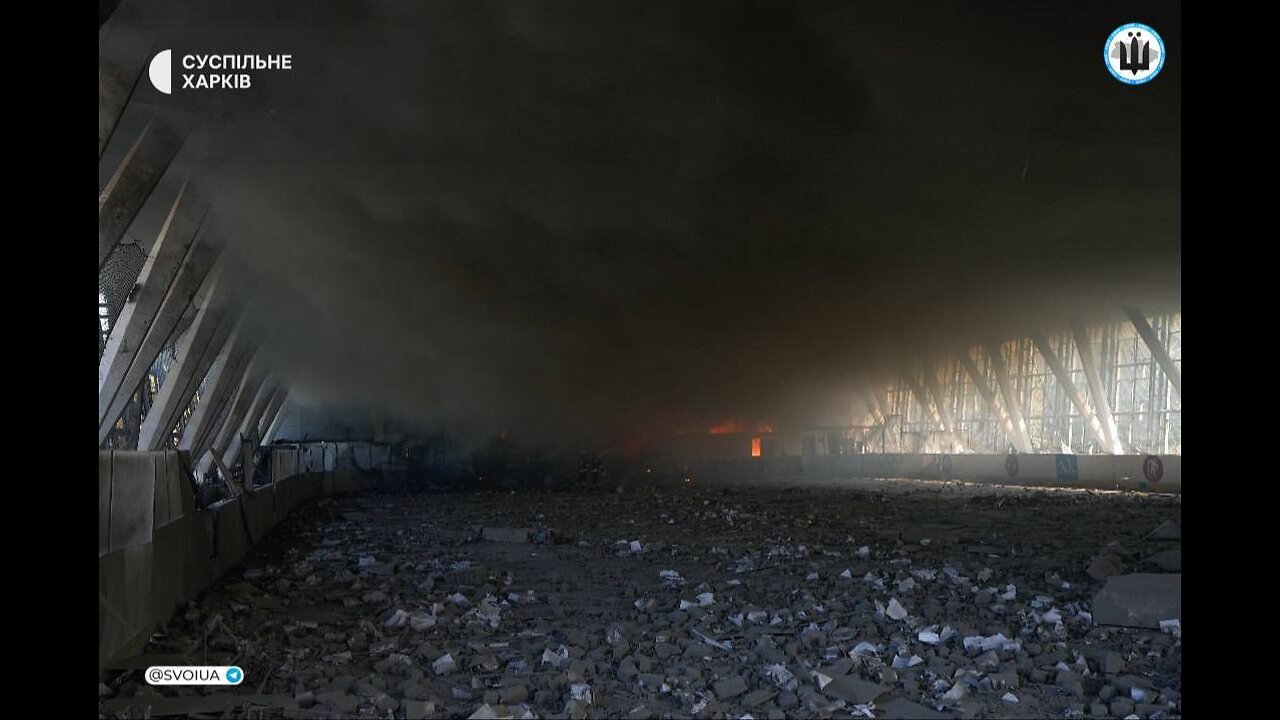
{"x":224,"y":377}
{"x":196,"y":352}
{"x":148,"y":329}
{"x":132,"y":183}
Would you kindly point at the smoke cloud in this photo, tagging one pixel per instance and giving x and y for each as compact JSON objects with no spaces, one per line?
{"x":590,"y":220}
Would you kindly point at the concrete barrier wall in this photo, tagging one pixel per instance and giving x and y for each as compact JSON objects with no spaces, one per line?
{"x":1138,"y":472}
{"x":156,"y":550}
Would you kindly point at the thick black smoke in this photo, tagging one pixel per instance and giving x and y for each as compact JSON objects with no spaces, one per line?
{"x":585,"y":219}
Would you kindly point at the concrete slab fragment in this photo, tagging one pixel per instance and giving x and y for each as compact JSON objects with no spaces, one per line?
{"x":1169,"y":560}
{"x":1139,"y":600}
{"x":854,"y":689}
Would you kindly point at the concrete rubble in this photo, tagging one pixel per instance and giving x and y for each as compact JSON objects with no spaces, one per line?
{"x":718,"y":601}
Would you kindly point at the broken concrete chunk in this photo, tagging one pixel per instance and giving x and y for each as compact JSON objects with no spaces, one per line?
{"x":1139,"y":600}
{"x":781,"y":677}
{"x":420,"y":621}
{"x":581,"y":692}
{"x":485,"y":712}
{"x":853,"y":689}
{"x":1169,"y":560}
{"x":730,"y":687}
{"x":895,"y":610}
{"x":1104,"y":566}
{"x":957,"y":693}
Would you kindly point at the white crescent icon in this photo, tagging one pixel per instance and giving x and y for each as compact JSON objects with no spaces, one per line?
{"x":161,"y":71}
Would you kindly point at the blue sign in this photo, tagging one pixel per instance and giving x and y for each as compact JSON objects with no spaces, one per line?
{"x":1066,"y":466}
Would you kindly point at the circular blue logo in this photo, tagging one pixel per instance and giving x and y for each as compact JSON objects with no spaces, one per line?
{"x":1134,"y":53}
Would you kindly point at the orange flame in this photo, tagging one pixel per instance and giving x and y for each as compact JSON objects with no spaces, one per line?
{"x":728,"y":427}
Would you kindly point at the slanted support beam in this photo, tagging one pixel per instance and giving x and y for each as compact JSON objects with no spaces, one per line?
{"x":225,"y":472}
{"x":1021,"y":439}
{"x":196,"y":352}
{"x":246,"y":447}
{"x":153,"y":316}
{"x":224,"y":377}
{"x":128,"y":189}
{"x":120,"y":67}
{"x":267,"y":424}
{"x":248,"y":428}
{"x":225,"y":432}
{"x":874,"y":409}
{"x":1097,"y":393}
{"x":269,"y":435}
{"x":925,"y":402}
{"x":1157,"y":348}
{"x":984,"y":389}
{"x":1069,"y":386}
{"x":944,"y":411}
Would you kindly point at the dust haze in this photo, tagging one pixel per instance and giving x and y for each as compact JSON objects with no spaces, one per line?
{"x":581,"y":221}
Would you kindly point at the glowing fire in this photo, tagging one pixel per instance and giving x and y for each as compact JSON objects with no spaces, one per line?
{"x":755,"y":446}
{"x":729,"y":427}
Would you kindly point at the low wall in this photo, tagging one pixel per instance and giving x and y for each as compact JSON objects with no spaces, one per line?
{"x":157,"y":550}
{"x":1160,"y":473}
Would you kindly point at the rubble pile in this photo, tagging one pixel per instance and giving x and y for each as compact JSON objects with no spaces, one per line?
{"x":694,"y":600}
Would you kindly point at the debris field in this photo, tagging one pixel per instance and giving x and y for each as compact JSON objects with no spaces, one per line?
{"x":693,"y":600}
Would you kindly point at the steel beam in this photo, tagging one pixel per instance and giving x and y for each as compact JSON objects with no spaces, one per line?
{"x":1157,"y":348}
{"x":1096,"y":392}
{"x":1069,"y":386}
{"x":1021,"y":439}
{"x":133,"y":182}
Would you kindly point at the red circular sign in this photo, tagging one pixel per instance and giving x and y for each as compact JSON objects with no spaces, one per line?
{"x":1153,"y":468}
{"x":1011,"y":465}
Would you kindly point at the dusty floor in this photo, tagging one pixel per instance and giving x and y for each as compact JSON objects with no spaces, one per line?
{"x":826,"y":601}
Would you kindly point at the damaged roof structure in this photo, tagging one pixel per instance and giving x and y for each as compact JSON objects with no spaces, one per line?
{"x":718,"y":359}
